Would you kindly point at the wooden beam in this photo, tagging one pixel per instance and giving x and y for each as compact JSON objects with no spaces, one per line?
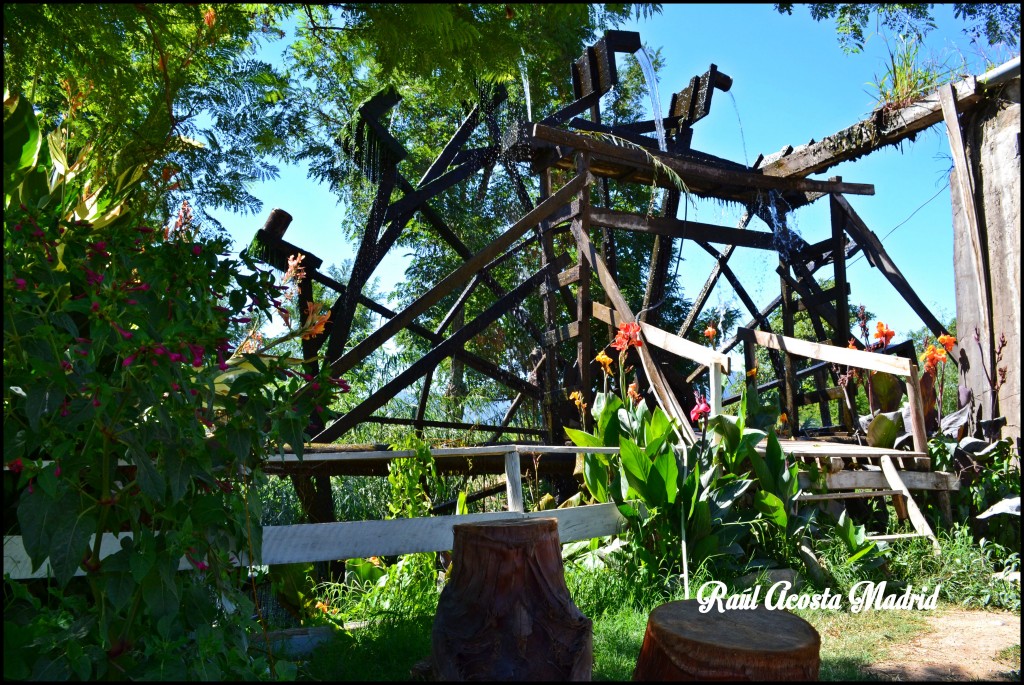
{"x":561,"y":334}
{"x":364,"y":348}
{"x":838,"y":355}
{"x":665,"y":398}
{"x":699,"y":177}
{"x":914,"y":480}
{"x":681,"y":347}
{"x":918,"y":520}
{"x":878,"y":257}
{"x":378,"y":399}
{"x":883,"y":128}
{"x":676,"y":228}
{"x":426,"y":423}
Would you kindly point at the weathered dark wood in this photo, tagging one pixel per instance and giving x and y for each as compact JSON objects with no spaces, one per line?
{"x":457,"y":277}
{"x":676,"y":228}
{"x":709,"y":285}
{"x":665,"y":398}
{"x":581,"y":226}
{"x":429,"y":360}
{"x":702,"y":179}
{"x":878,"y":257}
{"x":549,"y":372}
{"x":506,"y":613}
{"x":789,"y":364}
{"x":758,"y":644}
{"x":569,"y":331}
{"x":881,"y":129}
{"x":661,"y":259}
{"x":277,"y":223}
{"x":399,"y":421}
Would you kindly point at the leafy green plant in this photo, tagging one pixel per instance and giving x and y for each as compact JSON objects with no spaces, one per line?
{"x":906,"y":76}
{"x":115,"y":334}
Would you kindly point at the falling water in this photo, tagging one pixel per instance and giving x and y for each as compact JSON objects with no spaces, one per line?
{"x":652,"y":88}
{"x":526,"y":86}
{"x":743,"y":140}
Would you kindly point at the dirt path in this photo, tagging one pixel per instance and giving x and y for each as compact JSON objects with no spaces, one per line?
{"x":959,"y":645}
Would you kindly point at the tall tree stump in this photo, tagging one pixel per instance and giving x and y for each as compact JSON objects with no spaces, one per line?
{"x":506,"y":613}
{"x":742,"y":644}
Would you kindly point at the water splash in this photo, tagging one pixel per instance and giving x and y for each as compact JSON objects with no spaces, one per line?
{"x":647,"y":67}
{"x":743,"y":140}
{"x":526,"y":86}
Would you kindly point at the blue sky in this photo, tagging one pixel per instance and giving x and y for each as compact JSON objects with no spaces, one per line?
{"x":791,"y":83}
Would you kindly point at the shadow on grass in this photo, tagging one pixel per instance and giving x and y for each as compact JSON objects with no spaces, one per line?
{"x":385,"y":651}
{"x":841,"y":668}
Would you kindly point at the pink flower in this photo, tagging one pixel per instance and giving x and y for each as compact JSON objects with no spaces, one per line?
{"x":19,"y":284}
{"x":16,"y":466}
{"x":701,"y":409}
{"x":129,"y":360}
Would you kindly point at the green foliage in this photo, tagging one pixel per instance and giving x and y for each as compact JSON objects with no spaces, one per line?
{"x":907,"y":77}
{"x":999,"y":23}
{"x":115,"y":335}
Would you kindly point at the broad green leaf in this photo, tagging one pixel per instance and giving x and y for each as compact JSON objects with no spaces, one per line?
{"x":37,"y":516}
{"x":22,"y":141}
{"x":883,"y":431}
{"x":583,"y":439}
{"x":772,"y":507}
{"x":704,"y":548}
{"x":666,"y":466}
{"x":70,"y":539}
{"x":595,"y":475}
{"x":699,"y":524}
{"x":638,"y":469}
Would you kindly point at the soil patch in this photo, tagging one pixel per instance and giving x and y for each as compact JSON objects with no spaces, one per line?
{"x":958,"y":645}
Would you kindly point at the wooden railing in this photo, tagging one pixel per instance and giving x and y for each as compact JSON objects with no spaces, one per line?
{"x":362,"y":539}
{"x":898,"y":366}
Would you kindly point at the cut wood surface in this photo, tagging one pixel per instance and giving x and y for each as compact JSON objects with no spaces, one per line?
{"x":759,"y":644}
{"x":918,"y":520}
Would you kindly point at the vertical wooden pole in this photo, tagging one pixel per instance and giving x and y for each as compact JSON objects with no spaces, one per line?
{"x":583,"y":308}
{"x":749,"y":358}
{"x":514,"y":482}
{"x":916,"y":411}
{"x":841,"y":334}
{"x":788,"y":363}
{"x":549,"y":371}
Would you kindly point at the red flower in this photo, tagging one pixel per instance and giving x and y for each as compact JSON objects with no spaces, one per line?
{"x":628,"y":336}
{"x":16,"y":466}
{"x":701,"y":409}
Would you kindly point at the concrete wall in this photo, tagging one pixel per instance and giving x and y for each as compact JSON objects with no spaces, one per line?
{"x":992,"y":137}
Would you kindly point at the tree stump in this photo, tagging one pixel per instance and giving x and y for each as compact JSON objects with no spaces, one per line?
{"x":506,"y":613}
{"x":742,"y":644}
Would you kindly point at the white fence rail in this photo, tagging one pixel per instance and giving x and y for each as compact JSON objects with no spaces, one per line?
{"x":360,"y":539}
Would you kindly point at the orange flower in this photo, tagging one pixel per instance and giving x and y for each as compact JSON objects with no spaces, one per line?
{"x":315,"y":321}
{"x":932,"y":357}
{"x":947,"y":341}
{"x":295,"y":269}
{"x":783,"y":418}
{"x":628,"y":336}
{"x":577,"y":397}
{"x":752,"y":373}
{"x":605,"y":361}
{"x":634,"y":393}
{"x":710,"y":332}
{"x":884,"y":333}
{"x":853,"y":344}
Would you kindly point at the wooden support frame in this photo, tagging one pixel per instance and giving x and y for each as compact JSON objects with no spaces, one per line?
{"x":862,"y":360}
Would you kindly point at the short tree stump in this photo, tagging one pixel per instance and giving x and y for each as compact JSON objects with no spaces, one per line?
{"x":743,"y":644}
{"x":506,"y":613}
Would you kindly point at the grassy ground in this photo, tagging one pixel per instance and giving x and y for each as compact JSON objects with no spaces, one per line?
{"x":390,"y":650}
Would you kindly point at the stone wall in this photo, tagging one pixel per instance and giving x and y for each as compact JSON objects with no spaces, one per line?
{"x":992,"y":137}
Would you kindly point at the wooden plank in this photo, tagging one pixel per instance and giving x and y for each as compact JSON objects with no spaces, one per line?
{"x":692,"y":171}
{"x":362,"y":539}
{"x":376,"y":339}
{"x":514,"y":482}
{"x":914,"y":480}
{"x":883,"y":128}
{"x":426,"y":423}
{"x":677,"y":228}
{"x":665,"y":398}
{"x":664,"y":340}
{"x":358,"y":539}
{"x":584,"y":354}
{"x":918,"y":520}
{"x":830,"y":353}
{"x":965,"y":188}
{"x":563,"y":333}
{"x":895,"y":536}
{"x":838,"y":449}
{"x":877,"y":256}
{"x":917,"y":425}
{"x":427,"y":362}
{"x":807,"y":497}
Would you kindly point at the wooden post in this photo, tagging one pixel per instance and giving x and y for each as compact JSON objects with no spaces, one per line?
{"x":583,"y":308}
{"x":916,"y":411}
{"x":514,"y":482}
{"x":789,"y":365}
{"x":506,"y":613}
{"x":758,"y":644}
